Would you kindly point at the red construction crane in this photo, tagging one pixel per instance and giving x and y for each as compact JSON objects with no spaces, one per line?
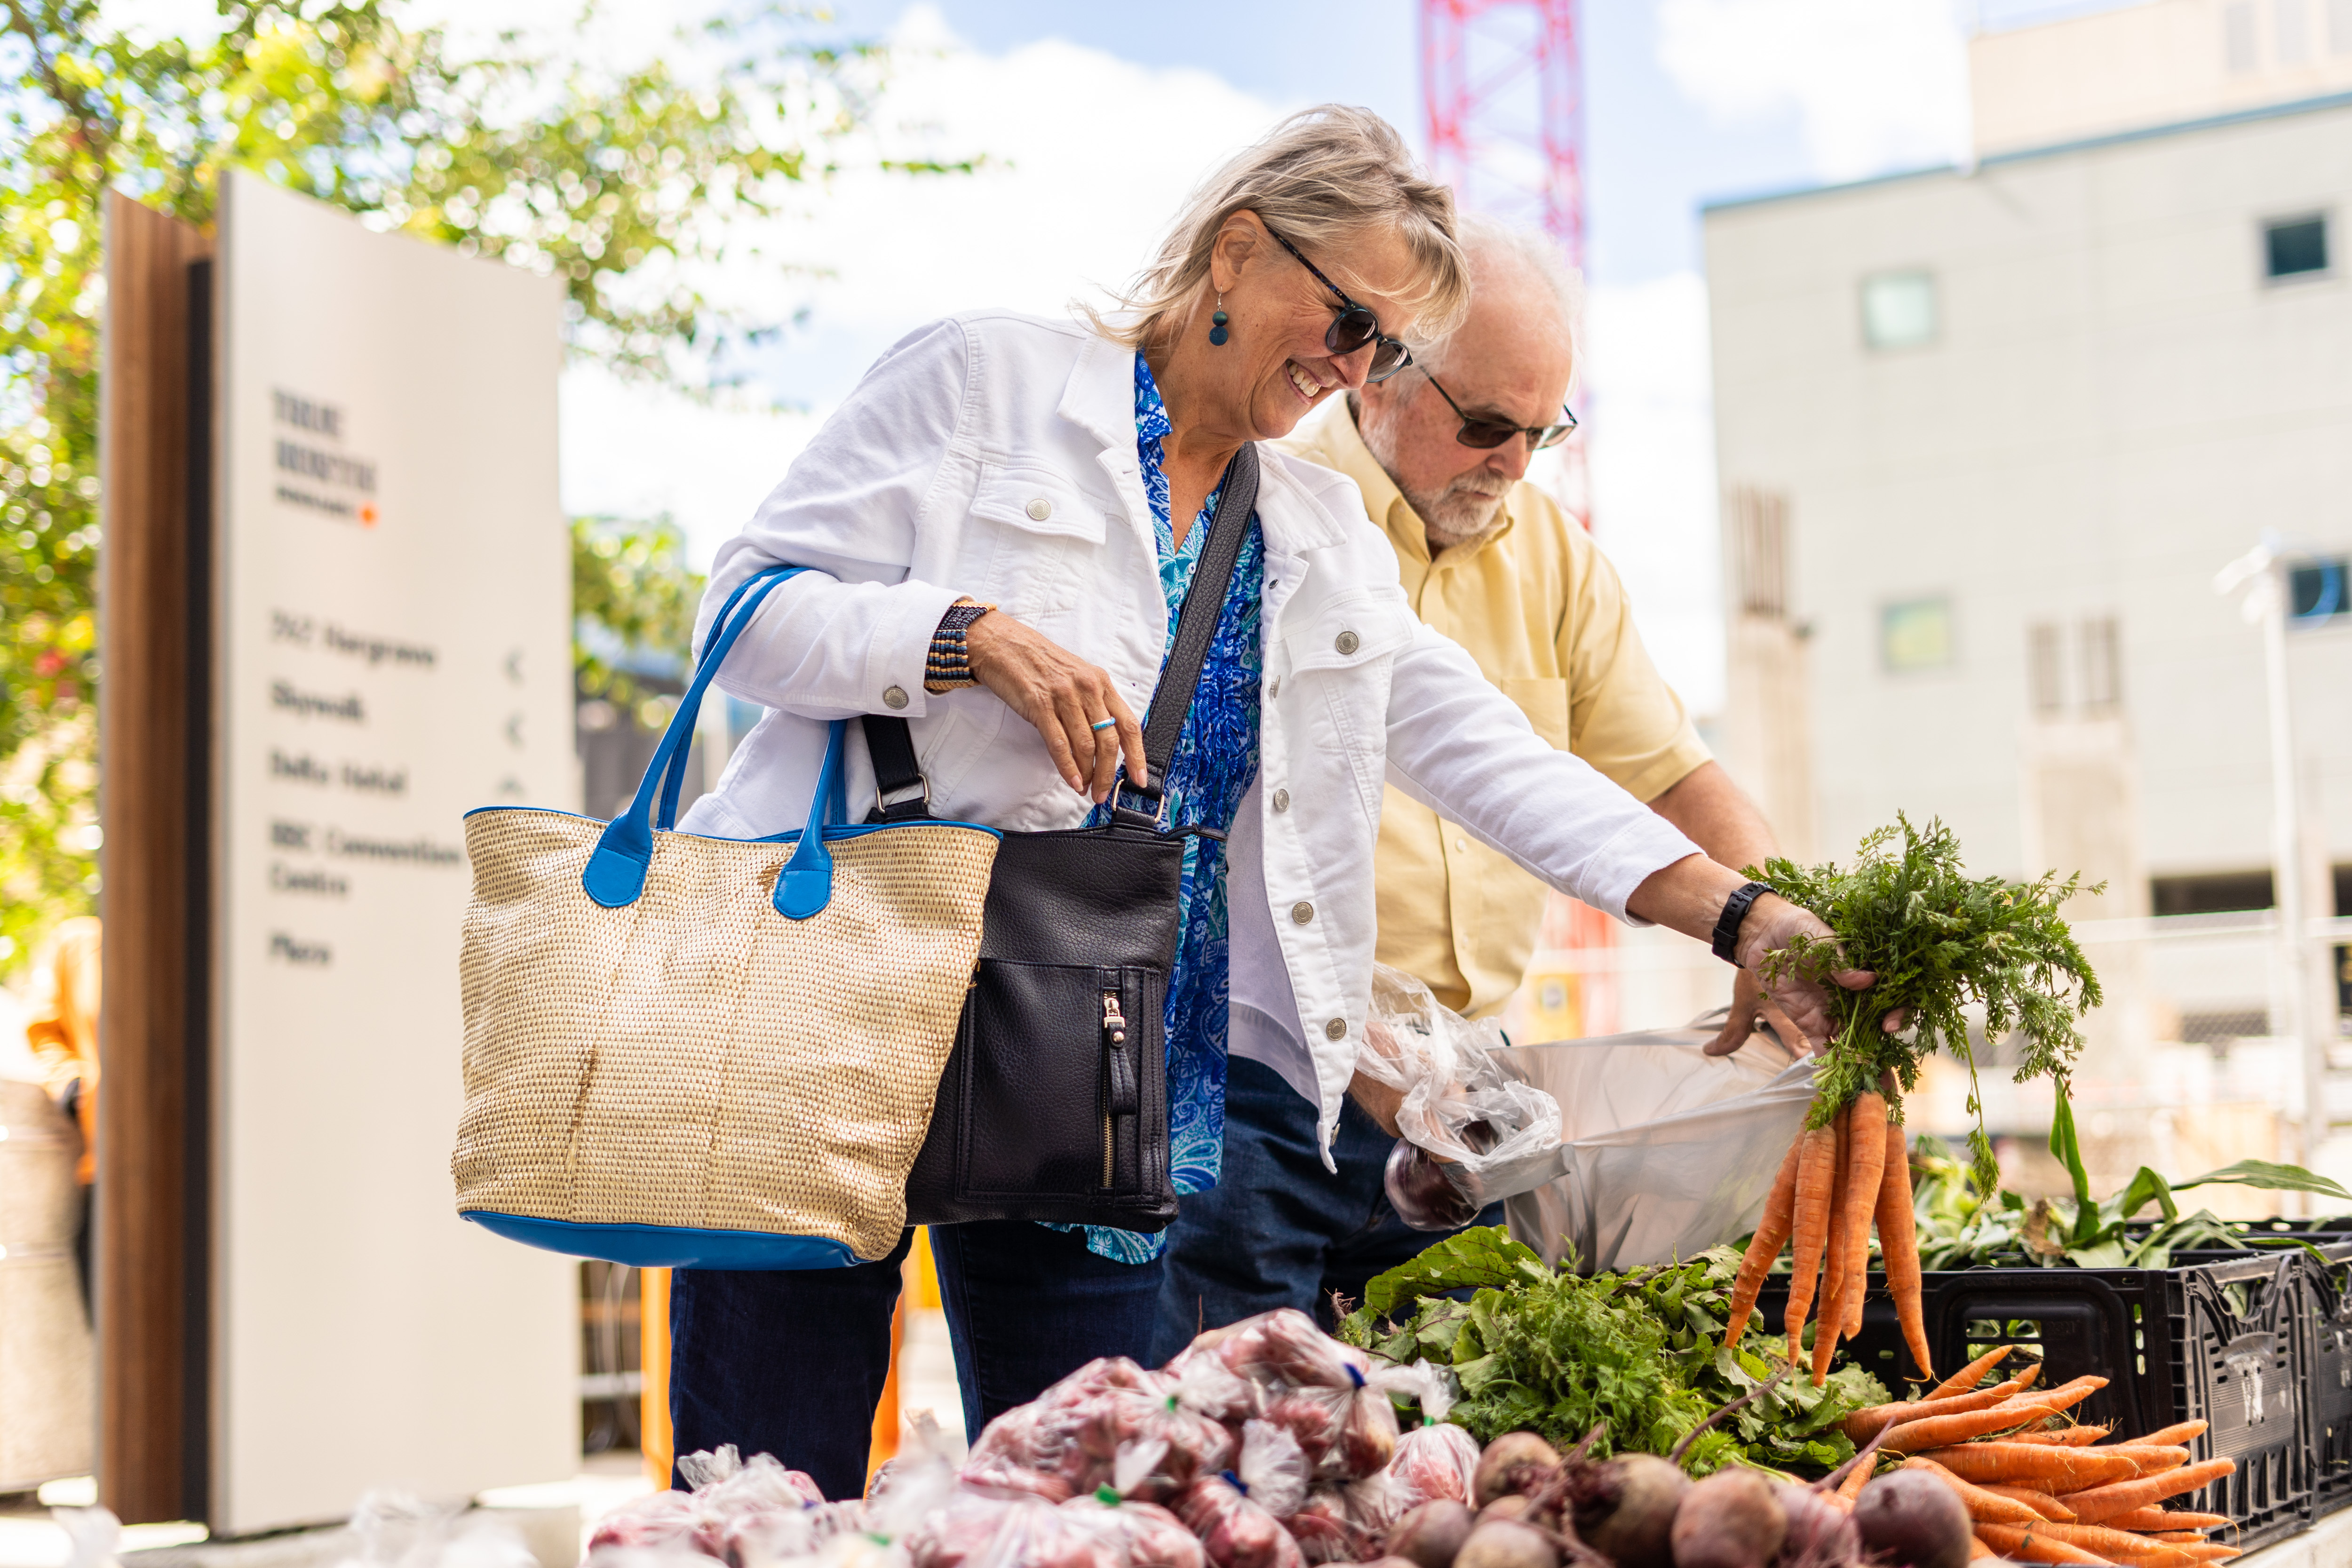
{"x":1505,"y":86}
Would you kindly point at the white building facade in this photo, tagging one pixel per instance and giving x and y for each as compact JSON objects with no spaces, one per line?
{"x":1986,"y":437}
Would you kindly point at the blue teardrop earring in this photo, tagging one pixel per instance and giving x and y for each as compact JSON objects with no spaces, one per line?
{"x":1217,"y":333}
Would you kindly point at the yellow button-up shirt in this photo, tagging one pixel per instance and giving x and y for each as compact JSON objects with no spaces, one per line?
{"x":1544,"y":613}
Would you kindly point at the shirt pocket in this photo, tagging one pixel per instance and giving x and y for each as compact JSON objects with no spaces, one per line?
{"x":1032,"y":536}
{"x":1544,"y":700}
{"x":1356,"y":627}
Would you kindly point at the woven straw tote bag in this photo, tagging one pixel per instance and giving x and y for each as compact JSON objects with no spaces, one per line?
{"x":686,"y":1051}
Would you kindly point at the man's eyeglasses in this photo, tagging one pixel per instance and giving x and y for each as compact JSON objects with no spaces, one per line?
{"x":1487,"y":434}
{"x":1354,"y":326}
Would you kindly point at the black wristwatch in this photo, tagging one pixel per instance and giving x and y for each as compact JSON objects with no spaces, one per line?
{"x":1734,"y":911}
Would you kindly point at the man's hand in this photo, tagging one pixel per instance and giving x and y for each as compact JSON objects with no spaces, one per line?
{"x":1749,"y":1008}
{"x":1774,"y":924}
{"x":1378,"y":1102}
{"x":1062,"y":696}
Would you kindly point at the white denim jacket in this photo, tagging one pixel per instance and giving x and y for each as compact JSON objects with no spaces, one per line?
{"x":994,"y":455}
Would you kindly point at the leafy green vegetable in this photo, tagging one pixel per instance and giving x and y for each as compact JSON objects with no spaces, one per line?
{"x":1550,"y":1351}
{"x":1939,"y":942}
{"x":1960,"y":1228}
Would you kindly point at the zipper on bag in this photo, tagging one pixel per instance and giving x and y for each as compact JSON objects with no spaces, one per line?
{"x":1113,"y":1028}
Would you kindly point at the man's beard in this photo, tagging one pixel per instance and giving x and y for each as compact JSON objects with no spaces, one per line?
{"x":1466,"y":509}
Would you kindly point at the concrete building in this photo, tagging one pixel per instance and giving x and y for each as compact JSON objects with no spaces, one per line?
{"x":1986,"y":436}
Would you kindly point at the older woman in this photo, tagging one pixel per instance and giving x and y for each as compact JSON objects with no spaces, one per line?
{"x":1004,"y":517}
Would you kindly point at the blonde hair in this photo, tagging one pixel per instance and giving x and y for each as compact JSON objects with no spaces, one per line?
{"x":1323,"y":177}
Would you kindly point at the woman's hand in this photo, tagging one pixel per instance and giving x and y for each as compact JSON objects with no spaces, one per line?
{"x":1061,"y":694}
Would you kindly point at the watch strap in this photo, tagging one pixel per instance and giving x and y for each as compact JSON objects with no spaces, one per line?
{"x":1734,"y":911}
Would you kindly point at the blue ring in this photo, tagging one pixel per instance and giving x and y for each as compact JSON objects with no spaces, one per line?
{"x":1104,"y":725}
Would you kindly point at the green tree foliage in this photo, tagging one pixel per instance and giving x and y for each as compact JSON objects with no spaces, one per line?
{"x":616,"y":182}
{"x":632,"y":594}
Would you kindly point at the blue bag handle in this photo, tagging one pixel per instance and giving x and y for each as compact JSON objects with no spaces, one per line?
{"x":616,"y":871}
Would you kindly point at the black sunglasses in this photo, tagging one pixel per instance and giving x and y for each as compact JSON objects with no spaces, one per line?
{"x":1489,"y":434}
{"x":1354,"y":326}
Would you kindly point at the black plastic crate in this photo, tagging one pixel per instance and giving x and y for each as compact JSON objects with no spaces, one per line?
{"x":2225,"y":1343}
{"x":2324,"y":1318}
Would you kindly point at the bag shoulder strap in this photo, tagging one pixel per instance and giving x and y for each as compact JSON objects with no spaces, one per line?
{"x":897,"y":772}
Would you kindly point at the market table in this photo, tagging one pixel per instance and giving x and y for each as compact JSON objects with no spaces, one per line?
{"x":2327,"y":1544}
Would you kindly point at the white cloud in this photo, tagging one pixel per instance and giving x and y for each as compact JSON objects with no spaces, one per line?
{"x":1877,"y":84}
{"x":1089,"y":156}
{"x":1653,"y":457}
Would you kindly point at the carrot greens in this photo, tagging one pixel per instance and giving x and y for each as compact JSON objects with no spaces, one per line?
{"x":1941,"y":942}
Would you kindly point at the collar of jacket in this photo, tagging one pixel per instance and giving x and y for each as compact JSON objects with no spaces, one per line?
{"x":1099,"y":398}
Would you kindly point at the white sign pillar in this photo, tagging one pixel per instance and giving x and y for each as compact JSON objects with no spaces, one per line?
{"x":392,"y":647}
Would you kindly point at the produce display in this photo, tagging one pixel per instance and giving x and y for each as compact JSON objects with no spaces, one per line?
{"x":1938,"y":941}
{"x":1481,"y":1409}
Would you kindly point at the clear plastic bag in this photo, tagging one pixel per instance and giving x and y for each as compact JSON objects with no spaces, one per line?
{"x":1138,"y":1534}
{"x":1235,"y":1531}
{"x":1459,"y":1104}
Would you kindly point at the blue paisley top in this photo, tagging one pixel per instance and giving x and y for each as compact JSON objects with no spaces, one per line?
{"x":1215,"y":760}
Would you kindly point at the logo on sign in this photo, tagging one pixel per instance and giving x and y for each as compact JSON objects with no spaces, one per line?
{"x":313,"y":471}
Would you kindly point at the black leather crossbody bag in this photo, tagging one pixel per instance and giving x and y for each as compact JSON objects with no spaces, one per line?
{"x":1053,"y":1105}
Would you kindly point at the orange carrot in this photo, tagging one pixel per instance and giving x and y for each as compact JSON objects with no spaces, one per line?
{"x":2046,"y":1469}
{"x":1864,"y":1424}
{"x":1830,"y":1316}
{"x":1898,"y":1241}
{"x":2098,"y":1504}
{"x":2153,"y":1518}
{"x":1771,"y":1234}
{"x":2211,"y":1551}
{"x":2147,"y":1460}
{"x":1809,"y":1226}
{"x":2042,"y":1503}
{"x":1856,"y":1479}
{"x":2181,"y":1432}
{"x":2065,"y":1436}
{"x":2031,"y":1545}
{"x":1943,"y":1431}
{"x":1980,"y":1503}
{"x":1978,"y":1551}
{"x":1968,"y":1376}
{"x":2062,"y":1397}
{"x":2116,"y":1545}
{"x":1865,"y":1165}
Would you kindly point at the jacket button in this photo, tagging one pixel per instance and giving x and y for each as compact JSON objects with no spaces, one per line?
{"x":1040,"y":510}
{"x":1302,"y":912}
{"x":1282,"y":800}
{"x":1274,"y":688}
{"x":1337,"y":1029}
{"x":896,"y":696}
{"x":1347,"y":642}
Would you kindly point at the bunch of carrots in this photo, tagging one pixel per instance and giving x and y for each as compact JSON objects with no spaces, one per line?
{"x":2038,"y":1489}
{"x":1838,"y":1177}
{"x":1939,"y":944}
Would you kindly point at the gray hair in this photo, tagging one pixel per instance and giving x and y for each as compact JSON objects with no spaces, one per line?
{"x":1482,"y":236}
{"x":1324,"y":176}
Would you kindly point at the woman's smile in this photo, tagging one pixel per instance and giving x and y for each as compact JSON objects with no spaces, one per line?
{"x":1303,"y":381}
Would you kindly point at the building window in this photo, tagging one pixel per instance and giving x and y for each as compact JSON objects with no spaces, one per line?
{"x":1898,"y":309}
{"x":2238,"y":35}
{"x":2103,"y":678}
{"x":2317,"y":590}
{"x":2294,"y":247}
{"x":2045,"y":674}
{"x":2292,"y":28}
{"x":1916,"y":634}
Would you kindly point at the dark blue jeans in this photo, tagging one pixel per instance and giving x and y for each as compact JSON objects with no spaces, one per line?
{"x":1277,"y":1229}
{"x":792,"y":1361}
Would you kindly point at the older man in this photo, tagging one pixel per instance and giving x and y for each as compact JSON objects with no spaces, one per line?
{"x":1440,"y":453}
